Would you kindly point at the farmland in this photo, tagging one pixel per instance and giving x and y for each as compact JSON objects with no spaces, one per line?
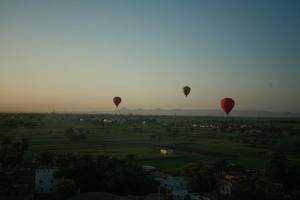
{"x":243,"y":141}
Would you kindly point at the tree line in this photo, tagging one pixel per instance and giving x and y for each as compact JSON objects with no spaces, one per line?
{"x":12,"y":151}
{"x":278,"y":171}
{"x":99,"y":174}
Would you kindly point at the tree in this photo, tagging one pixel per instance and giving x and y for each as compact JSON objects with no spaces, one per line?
{"x":66,"y":187}
{"x":5,"y":145}
{"x":201,"y":180}
{"x":6,"y":141}
{"x":12,"y":153}
{"x":77,"y":135}
{"x":109,"y":175}
{"x":221,"y":166}
{"x":191,"y":168}
{"x":131,"y":157}
{"x":279,"y":170}
{"x":20,"y":148}
{"x":244,"y":194}
{"x":276,"y":167}
{"x":63,"y":160}
{"x":69,"y":132}
{"x":45,"y":158}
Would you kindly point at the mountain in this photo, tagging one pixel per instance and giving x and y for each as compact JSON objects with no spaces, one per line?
{"x":181,"y":112}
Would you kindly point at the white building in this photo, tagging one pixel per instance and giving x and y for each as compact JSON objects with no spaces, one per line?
{"x":177,"y":187}
{"x":44,"y":180}
{"x":179,"y":194}
{"x":225,"y":188}
{"x":195,"y":196}
{"x":149,"y":168}
{"x":174,"y":183}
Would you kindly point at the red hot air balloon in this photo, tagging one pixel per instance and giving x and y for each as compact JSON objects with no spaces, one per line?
{"x":117,"y":101}
{"x":227,"y":104}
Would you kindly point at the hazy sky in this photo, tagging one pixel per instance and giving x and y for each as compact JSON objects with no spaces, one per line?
{"x":72,"y":55}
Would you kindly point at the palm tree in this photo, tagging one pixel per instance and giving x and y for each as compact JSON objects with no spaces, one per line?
{"x":17,"y":149}
{"x":221,"y":166}
{"x":45,"y":158}
{"x":5,"y":145}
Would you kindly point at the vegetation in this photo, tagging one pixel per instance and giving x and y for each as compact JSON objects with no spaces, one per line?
{"x":104,"y":153}
{"x":76,"y":135}
{"x":66,"y":187}
{"x":279,"y":170}
{"x":243,"y":141}
{"x":12,"y":152}
{"x":105,"y":174}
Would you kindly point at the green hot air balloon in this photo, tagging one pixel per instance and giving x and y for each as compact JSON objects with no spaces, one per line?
{"x":186,"y":90}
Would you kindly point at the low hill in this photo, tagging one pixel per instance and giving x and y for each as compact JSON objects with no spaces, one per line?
{"x":198,"y":112}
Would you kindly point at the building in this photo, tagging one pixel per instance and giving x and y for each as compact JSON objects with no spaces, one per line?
{"x":175,"y":186}
{"x":44,"y":180}
{"x":179,"y":194}
{"x":149,"y":168}
{"x":107,"y":121}
{"x":17,"y":184}
{"x":225,"y":188}
{"x":174,"y":183}
{"x":166,"y":151}
{"x":197,"y":196}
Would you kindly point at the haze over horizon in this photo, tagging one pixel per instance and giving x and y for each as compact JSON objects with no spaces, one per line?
{"x":76,"y":55}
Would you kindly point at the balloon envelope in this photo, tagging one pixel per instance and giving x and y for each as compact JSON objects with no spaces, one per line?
{"x":117,"y":101}
{"x":186,"y":90}
{"x":227,"y":104}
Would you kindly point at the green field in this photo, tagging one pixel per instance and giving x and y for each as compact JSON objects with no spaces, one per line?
{"x":128,"y":135}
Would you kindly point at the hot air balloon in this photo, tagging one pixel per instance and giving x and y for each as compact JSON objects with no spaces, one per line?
{"x":186,"y":90}
{"x":227,"y":105}
{"x":117,"y":101}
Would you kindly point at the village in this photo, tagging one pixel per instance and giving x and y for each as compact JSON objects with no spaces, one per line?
{"x":35,"y":182}
{"x":149,"y":100}
{"x":29,"y":171}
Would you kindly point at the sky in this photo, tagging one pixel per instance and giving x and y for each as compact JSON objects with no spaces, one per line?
{"x":76,"y":55}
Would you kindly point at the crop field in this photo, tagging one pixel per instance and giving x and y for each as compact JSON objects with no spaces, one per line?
{"x":144,"y":136}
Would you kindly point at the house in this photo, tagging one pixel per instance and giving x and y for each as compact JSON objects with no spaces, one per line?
{"x":174,"y":183}
{"x":17,"y":184}
{"x":225,"y":188}
{"x":159,"y":176}
{"x":176,"y":186}
{"x":166,"y":151}
{"x":197,"y":196}
{"x":172,"y":187}
{"x":44,"y":180}
{"x":107,"y":121}
{"x":194,"y":196}
{"x":149,"y":168}
{"x":179,"y":194}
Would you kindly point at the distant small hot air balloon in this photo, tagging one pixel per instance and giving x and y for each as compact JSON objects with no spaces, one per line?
{"x":117,"y":101}
{"x":186,"y":90}
{"x":227,"y":104}
{"x":270,"y":84}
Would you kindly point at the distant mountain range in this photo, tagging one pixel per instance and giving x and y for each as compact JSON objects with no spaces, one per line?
{"x":181,"y":112}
